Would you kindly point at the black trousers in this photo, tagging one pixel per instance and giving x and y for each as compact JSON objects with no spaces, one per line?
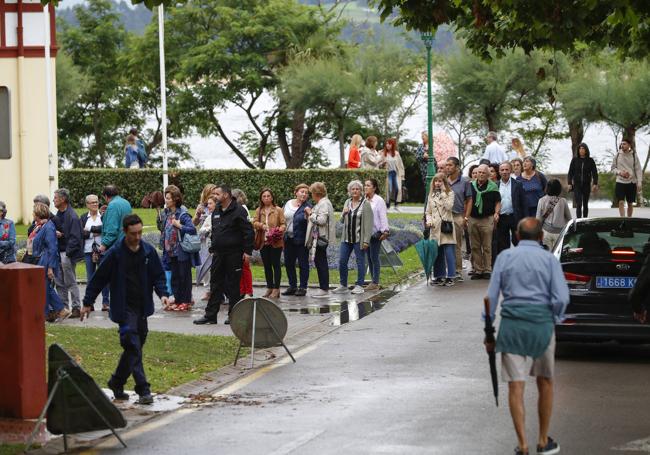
{"x":133,"y":334}
{"x":581,"y":195}
{"x":272,"y":268}
{"x":181,"y":280}
{"x":322,"y":269}
{"x":293,"y":253}
{"x":505,"y":233}
{"x":225,"y":274}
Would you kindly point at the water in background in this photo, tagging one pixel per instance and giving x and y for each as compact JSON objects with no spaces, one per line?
{"x":214,"y":153}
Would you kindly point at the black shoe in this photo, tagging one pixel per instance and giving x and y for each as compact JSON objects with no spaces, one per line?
{"x":477,"y":276}
{"x":486,"y":275}
{"x":301,"y":292}
{"x":76,"y":313}
{"x":118,"y":392}
{"x":204,"y":320}
{"x":550,"y":448}
{"x":440,"y":281}
{"x":289,"y":291}
{"x":518,"y":451}
{"x":145,"y":399}
{"x":449,"y":282}
{"x":227,"y":321}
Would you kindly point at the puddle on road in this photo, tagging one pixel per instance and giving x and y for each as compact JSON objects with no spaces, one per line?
{"x":348,"y":310}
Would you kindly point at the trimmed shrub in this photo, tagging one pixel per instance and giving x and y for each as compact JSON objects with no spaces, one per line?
{"x":134,"y":184}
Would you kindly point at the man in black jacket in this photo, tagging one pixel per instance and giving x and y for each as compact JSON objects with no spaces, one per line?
{"x":583,"y":179}
{"x":232,"y":241}
{"x":70,"y":248}
{"x":513,"y":208}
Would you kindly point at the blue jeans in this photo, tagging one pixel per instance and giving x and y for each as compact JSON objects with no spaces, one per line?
{"x":373,"y":259}
{"x":52,"y":300}
{"x":393,"y":187}
{"x":133,"y":334}
{"x":446,"y":260}
{"x":293,"y":252}
{"x":344,"y":257}
{"x":90,"y":271}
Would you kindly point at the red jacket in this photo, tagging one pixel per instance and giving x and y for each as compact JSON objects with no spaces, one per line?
{"x":354,"y":158}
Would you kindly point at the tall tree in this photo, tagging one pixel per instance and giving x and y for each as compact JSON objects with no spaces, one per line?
{"x":93,"y":128}
{"x":231,"y":52}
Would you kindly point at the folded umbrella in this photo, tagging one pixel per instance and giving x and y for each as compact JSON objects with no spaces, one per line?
{"x":489,"y":339}
{"x":427,"y":251}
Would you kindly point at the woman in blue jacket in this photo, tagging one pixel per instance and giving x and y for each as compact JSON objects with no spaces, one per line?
{"x":176,"y":223}
{"x":7,"y":237}
{"x":43,"y":248}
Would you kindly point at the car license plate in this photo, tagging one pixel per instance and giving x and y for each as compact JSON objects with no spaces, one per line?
{"x":615,"y":282}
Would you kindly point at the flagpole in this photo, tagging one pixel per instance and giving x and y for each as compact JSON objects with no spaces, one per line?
{"x":51,"y":165}
{"x":163,"y":92}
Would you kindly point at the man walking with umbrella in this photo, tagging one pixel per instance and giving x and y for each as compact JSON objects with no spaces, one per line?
{"x":535,"y":295}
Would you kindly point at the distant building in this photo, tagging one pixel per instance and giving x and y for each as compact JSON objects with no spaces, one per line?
{"x":30,"y":170}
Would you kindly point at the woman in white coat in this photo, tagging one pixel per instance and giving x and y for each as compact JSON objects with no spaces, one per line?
{"x":440,"y":221}
{"x":321,"y":230}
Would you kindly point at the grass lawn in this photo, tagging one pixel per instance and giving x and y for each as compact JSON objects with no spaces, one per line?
{"x":11,"y":449}
{"x":388,"y":277}
{"x":170,"y":359}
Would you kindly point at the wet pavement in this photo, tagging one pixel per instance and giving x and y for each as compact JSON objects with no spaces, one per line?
{"x":411,"y":378}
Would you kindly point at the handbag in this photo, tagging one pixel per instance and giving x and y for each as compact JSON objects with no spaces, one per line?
{"x":323,"y":242}
{"x":260,"y":238}
{"x":191,"y":243}
{"x":446,"y":227}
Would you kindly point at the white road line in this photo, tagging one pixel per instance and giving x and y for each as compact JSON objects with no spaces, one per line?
{"x":640,"y":445}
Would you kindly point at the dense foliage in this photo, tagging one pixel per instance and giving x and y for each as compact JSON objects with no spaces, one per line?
{"x":134,"y":184}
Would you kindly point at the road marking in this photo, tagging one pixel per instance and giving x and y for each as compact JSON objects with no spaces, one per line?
{"x":297,"y":443}
{"x":640,"y":445}
{"x":182,"y":412}
{"x":246,"y":380}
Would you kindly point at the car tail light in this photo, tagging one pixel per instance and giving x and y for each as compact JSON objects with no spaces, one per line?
{"x":575,"y":278}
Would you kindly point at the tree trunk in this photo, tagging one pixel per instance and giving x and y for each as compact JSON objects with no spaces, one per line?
{"x":341,"y":128}
{"x":297,"y":132}
{"x":577,"y":133}
{"x":629,"y":133}
{"x":100,"y":147}
{"x":490,"y":119}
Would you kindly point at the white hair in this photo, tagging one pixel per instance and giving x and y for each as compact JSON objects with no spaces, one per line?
{"x":354,"y":183}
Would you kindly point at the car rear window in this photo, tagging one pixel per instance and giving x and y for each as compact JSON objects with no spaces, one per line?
{"x":600,"y":238}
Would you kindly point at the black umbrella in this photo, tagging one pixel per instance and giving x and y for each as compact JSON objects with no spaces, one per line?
{"x":489,"y":339}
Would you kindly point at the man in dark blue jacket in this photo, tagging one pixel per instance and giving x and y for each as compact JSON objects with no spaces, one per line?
{"x":133,"y":271}
{"x":512,"y":209}
{"x":71,"y":249}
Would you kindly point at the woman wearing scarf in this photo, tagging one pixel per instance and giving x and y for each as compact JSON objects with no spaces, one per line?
{"x":177,"y":223}
{"x":482,"y":216}
{"x":43,"y":250}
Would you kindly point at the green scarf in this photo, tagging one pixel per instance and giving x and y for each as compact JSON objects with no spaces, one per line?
{"x":491,"y":186}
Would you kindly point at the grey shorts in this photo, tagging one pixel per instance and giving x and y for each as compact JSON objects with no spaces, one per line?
{"x":513,"y":366}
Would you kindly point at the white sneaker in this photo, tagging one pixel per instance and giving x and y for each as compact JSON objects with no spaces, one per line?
{"x":340,"y":290}
{"x":319,"y":294}
{"x":358,"y":290}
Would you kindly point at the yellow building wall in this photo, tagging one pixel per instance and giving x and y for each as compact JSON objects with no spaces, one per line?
{"x":26,"y":174}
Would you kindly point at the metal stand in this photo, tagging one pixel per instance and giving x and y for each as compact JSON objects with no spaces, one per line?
{"x":63,"y":375}
{"x":275,"y":332}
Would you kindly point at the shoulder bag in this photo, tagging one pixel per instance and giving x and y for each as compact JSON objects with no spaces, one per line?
{"x":260,"y":235}
{"x":323,"y":242}
{"x":446,"y":227}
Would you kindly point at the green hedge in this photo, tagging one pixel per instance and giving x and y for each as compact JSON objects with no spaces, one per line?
{"x":134,"y":184}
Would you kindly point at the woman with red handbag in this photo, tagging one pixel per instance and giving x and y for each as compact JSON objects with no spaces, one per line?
{"x":269,"y":225}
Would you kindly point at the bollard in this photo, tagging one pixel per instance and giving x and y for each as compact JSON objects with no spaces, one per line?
{"x":23,"y":388}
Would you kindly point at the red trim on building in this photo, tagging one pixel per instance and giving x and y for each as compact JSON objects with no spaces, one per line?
{"x":28,"y":52}
{"x":21,"y":50}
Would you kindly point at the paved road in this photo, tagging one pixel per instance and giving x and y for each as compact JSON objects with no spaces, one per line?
{"x":411,"y":378}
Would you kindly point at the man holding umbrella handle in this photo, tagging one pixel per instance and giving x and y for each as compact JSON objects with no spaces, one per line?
{"x":535,"y":295}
